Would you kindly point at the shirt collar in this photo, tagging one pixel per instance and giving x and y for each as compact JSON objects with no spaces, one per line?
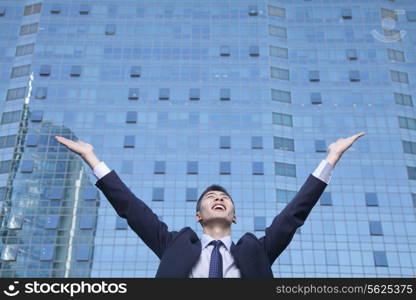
{"x":206,"y":239}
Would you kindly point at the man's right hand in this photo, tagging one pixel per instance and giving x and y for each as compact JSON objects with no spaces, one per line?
{"x":85,"y":150}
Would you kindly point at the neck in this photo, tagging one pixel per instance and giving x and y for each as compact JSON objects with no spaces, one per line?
{"x":217,"y":231}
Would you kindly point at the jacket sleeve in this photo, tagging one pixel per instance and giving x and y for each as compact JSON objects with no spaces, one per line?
{"x":139,"y":216}
{"x":279,"y":234}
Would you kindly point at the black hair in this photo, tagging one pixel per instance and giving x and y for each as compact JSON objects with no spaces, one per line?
{"x":212,"y":187}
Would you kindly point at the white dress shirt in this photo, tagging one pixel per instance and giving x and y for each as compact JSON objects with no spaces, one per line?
{"x":201,"y":267}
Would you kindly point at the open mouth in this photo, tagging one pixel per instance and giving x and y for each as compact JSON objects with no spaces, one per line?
{"x":219,"y":207}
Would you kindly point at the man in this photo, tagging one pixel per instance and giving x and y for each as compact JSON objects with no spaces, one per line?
{"x":182,"y":253}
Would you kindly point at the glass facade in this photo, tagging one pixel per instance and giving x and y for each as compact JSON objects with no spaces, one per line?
{"x":178,"y":95}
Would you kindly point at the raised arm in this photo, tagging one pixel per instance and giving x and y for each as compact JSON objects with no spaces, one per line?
{"x":279,"y":234}
{"x":139,"y":216}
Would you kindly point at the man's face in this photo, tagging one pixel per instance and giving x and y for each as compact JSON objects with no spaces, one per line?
{"x":216,"y":205}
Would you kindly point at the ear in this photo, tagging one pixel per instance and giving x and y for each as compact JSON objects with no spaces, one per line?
{"x":234,"y":219}
{"x":198,"y":217}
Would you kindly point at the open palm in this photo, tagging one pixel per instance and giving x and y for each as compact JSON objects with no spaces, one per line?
{"x":78,"y":147}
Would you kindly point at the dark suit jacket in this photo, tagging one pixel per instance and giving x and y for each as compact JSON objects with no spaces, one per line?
{"x":178,"y":251}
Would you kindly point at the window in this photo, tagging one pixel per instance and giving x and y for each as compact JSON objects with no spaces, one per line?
{"x":399,"y":76}
{"x":395,"y":55}
{"x":407,"y":123}
{"x":131,"y":117}
{"x":9,"y":253}
{"x":354,"y":76}
{"x":5,"y":166}
{"x":159,"y":167}
{"x":45,"y":70}
{"x":90,"y":194}
{"x":83,"y":253}
{"x":388,"y":13}
{"x":194,"y":94}
{"x":135,"y":71}
{"x":259,"y":223}
{"x":413,"y":199}
{"x":331,"y":257}
{"x":282,"y":119}
{"x":192,"y":167}
{"x":326,"y":199}
{"x":403,"y":99}
{"x":28,"y":29}
{"x":278,"y":31}
{"x":254,"y":51}
{"x":55,"y":9}
{"x":256,"y":142}
{"x":2,"y":11}
{"x":51,"y":222}
{"x":36,"y":116}
{"x":134,"y":93}
{"x":7,"y":141}
{"x":380,"y":259}
{"x":158,"y":194}
{"x":375,"y":228}
{"x":41,"y":93}
{"x":279,"y":73}
{"x":16,"y":93}
{"x":225,"y":168}
{"x":258,"y":168}
{"x":346,"y":13}
{"x":47,"y":253}
{"x":24,"y":49}
{"x":316,"y":98}
{"x":86,"y":222}
{"x":27,"y":166}
{"x":281,"y":96}
{"x":129,"y":141}
{"x":56,"y":193}
{"x":32,"y":140}
{"x":164,"y":94}
{"x":276,"y":11}
{"x":76,"y":71}
{"x":284,"y":196}
{"x":225,"y":51}
{"x":32,"y":9}
{"x":278,"y":52}
{"x":225,"y":142}
{"x":409,"y":147}
{"x":411,"y":173}
{"x":191,"y":194}
{"x":320,"y":146}
{"x":352,"y":54}
{"x":127,"y":167}
{"x":314,"y":76}
{"x":121,"y":223}
{"x":225,"y":94}
{"x":411,"y":16}
{"x":252,"y":10}
{"x":84,"y":9}
{"x":11,"y":117}
{"x":20,"y":71}
{"x":283,"y":143}
{"x":285,"y":169}
{"x":110,"y":29}
{"x":371,"y":199}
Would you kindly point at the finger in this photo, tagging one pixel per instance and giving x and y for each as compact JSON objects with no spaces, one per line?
{"x":65,"y":141}
{"x":356,"y":136}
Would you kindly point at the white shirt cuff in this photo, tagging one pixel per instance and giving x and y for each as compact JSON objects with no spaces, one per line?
{"x":101,"y":170}
{"x":324,"y":171}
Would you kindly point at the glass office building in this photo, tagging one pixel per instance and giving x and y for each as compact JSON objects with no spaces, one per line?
{"x":178,"y":95}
